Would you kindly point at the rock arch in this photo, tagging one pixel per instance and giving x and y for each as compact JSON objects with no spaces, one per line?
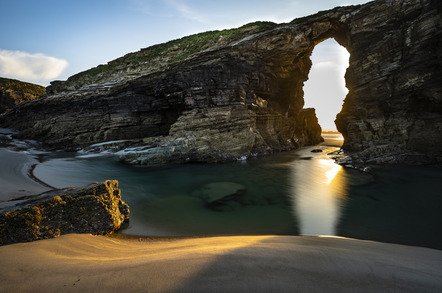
{"x":246,"y":97}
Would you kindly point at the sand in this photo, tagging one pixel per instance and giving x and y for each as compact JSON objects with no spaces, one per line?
{"x":86,"y":263}
{"x":15,"y":180}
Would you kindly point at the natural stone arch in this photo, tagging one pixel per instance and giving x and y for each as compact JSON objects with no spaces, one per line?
{"x":325,"y":88}
{"x":283,"y":62}
{"x":246,"y":98}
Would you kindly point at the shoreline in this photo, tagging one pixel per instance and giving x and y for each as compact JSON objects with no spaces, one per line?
{"x":18,"y":178}
{"x":16,"y":175}
{"x":36,"y":179}
{"x":120,"y":262}
{"x":86,"y":263}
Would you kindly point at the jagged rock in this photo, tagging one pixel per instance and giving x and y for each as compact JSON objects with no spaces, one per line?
{"x":13,"y":92}
{"x":96,"y":208}
{"x":244,"y":97}
{"x":393,"y":111}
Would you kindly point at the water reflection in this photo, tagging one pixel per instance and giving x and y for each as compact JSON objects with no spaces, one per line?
{"x":287,"y":194}
{"x":318,"y":191}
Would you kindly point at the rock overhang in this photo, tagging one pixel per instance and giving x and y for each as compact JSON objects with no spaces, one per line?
{"x":392,"y":81}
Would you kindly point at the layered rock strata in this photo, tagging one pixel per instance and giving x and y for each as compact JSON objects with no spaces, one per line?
{"x":245,"y":97}
{"x":393,"y":111}
{"x":96,"y":209}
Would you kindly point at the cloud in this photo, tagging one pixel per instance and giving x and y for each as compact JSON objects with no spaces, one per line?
{"x":169,"y":8}
{"x":30,"y":67}
{"x":186,"y":11}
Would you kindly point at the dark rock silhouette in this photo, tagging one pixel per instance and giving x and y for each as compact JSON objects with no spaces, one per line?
{"x":244,"y":97}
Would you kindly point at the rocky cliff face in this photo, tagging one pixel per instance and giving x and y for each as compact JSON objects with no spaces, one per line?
{"x":393,"y":111}
{"x":13,"y":92}
{"x":96,"y":208}
{"x":244,"y":96}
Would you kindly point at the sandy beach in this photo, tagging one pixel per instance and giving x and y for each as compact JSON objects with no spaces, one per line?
{"x":86,"y":263}
{"x":15,"y":180}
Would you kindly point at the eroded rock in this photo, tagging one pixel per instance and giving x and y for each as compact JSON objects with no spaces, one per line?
{"x":244,"y":97}
{"x":96,"y":208}
{"x":393,"y":111}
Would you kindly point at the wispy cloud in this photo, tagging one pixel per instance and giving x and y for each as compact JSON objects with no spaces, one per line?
{"x":30,"y":67}
{"x":169,"y":8}
{"x":186,"y":11}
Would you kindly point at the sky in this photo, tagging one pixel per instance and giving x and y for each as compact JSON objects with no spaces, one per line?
{"x":46,"y":40}
{"x":325,"y":88}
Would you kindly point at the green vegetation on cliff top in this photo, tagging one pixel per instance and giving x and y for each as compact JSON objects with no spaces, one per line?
{"x":159,"y":57}
{"x":21,"y":87}
{"x":176,"y":50}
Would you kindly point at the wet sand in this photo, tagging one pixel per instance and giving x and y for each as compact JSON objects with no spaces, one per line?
{"x":15,"y":175}
{"x":86,"y":263}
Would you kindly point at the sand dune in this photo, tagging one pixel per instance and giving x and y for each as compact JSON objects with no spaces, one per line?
{"x":86,"y":263}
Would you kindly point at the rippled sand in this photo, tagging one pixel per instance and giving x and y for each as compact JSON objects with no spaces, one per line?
{"x":85,"y":263}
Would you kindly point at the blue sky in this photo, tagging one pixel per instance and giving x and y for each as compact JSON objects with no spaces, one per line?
{"x":44,"y":40}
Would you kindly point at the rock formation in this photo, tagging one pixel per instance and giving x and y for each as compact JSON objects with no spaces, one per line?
{"x":241,"y":95}
{"x":96,"y":208}
{"x":13,"y":92}
{"x":393,"y":111}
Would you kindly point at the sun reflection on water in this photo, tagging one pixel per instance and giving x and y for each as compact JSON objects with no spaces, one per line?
{"x":318,"y":190}
{"x":334,"y":170}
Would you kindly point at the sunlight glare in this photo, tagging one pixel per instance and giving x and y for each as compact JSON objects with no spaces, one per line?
{"x":325,"y":88}
{"x":333,"y":170}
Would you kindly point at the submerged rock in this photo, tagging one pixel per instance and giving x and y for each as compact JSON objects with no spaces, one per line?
{"x":96,"y":209}
{"x":220,"y":195}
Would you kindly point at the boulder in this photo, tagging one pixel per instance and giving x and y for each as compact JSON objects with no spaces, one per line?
{"x":96,"y":209}
{"x":220,"y":195}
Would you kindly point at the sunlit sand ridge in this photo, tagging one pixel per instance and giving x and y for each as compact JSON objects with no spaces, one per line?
{"x":85,"y":263}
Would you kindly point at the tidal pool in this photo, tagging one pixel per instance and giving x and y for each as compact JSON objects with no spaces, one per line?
{"x":290,"y":193}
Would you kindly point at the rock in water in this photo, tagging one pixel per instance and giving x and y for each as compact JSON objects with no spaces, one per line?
{"x":96,"y":209}
{"x":220,"y":195}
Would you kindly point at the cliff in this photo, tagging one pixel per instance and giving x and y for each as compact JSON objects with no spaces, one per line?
{"x":393,"y":111}
{"x":13,"y":92}
{"x":232,"y":94}
{"x":96,"y":209}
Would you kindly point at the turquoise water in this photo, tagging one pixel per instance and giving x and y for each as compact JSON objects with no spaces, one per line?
{"x":291,"y":193}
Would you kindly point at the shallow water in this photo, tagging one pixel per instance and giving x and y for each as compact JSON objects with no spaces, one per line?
{"x":291,"y":193}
